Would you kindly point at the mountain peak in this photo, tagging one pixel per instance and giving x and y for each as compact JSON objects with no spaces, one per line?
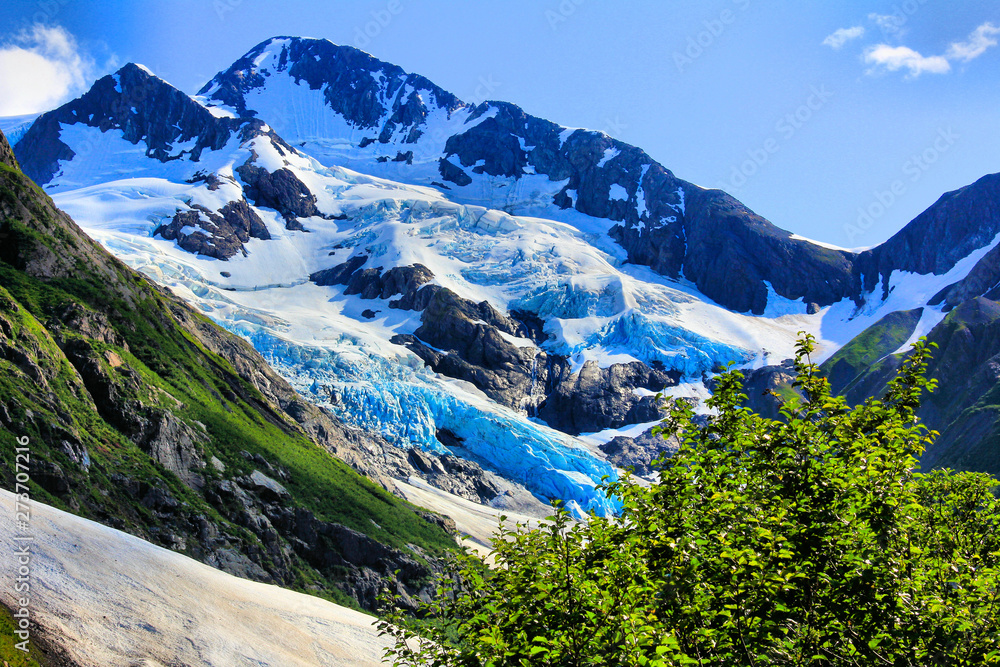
{"x":355,"y":84}
{"x":139,"y":104}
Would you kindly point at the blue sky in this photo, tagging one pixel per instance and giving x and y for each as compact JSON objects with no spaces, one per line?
{"x":839,"y":136}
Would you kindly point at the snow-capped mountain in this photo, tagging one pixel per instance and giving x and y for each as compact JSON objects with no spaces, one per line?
{"x":461,"y":278}
{"x":346,"y":108}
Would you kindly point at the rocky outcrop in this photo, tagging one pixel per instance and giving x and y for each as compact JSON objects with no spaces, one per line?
{"x":768,"y":388}
{"x":220,"y":235}
{"x":477,"y":343}
{"x":595,"y":398}
{"x":280,"y":190}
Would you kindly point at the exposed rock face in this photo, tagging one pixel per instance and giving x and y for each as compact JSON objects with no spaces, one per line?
{"x":982,"y":280}
{"x":595,"y":399}
{"x":176,"y":446}
{"x":472,"y":342}
{"x":220,"y":235}
{"x":768,"y":388}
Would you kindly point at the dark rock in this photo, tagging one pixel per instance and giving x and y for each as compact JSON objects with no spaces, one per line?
{"x":340,"y":274}
{"x":768,"y":388}
{"x":221,"y":235}
{"x":268,"y":489}
{"x":465,"y":340}
{"x":596,"y":399}
{"x":982,"y":280}
{"x":50,"y":476}
{"x":361,"y":88}
{"x":639,"y":453}
{"x":280,"y":190}
{"x":174,"y":445}
{"x":453,"y":173}
{"x":372,"y":283}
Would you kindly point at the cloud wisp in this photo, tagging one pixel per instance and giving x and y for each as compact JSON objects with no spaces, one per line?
{"x":838,"y":38}
{"x":981,"y":39}
{"x":43,"y":67}
{"x":884,"y":57}
{"x":895,"y":58}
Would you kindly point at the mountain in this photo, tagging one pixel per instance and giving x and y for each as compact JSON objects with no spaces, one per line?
{"x":493,"y":298}
{"x":347,"y":108}
{"x":142,"y":414}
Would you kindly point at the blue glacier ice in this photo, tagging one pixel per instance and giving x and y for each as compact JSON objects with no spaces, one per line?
{"x":408,"y":405}
{"x":677,"y":349}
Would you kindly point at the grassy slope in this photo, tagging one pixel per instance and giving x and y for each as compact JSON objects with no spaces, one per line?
{"x":867,"y":348}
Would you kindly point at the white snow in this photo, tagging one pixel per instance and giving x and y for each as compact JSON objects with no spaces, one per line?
{"x":618,"y":192}
{"x":609,"y":154}
{"x":109,"y":598}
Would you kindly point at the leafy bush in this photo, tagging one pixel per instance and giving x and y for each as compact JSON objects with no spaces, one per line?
{"x":804,"y":541}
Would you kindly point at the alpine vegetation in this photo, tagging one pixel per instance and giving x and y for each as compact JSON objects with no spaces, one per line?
{"x":807,"y":540}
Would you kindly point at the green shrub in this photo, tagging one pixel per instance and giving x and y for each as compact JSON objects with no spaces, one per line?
{"x":806,"y":541}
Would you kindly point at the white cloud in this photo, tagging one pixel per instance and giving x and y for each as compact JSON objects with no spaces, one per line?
{"x":981,"y":39}
{"x":841,"y":36}
{"x":894,"y":58}
{"x":42,"y":68}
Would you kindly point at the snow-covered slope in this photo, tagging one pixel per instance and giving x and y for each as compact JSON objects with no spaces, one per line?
{"x":108,"y":598}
